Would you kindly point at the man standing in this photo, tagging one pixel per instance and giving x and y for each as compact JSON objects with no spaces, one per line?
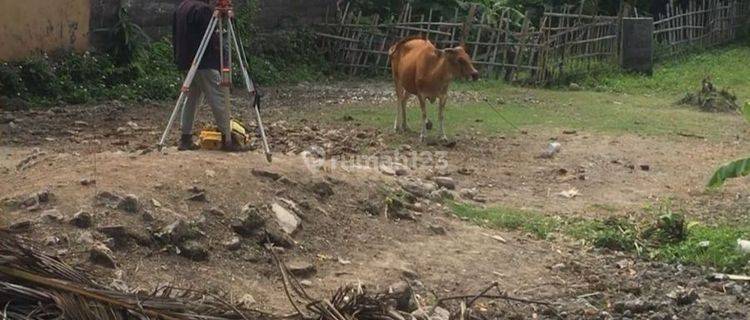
{"x":190,"y":23}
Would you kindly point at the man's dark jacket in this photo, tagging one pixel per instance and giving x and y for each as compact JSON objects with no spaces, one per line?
{"x":190,"y":22}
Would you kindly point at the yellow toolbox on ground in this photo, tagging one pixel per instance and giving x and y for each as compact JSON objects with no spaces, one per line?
{"x":210,"y":139}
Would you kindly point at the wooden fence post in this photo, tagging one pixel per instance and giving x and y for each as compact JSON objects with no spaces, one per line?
{"x":466,"y":29}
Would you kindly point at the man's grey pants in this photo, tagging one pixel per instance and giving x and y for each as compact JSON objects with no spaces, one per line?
{"x":206,"y":82}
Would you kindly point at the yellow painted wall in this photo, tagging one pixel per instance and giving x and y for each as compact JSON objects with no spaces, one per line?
{"x":29,"y":27}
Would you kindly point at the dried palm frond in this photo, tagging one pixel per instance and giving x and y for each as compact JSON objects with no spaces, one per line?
{"x":34,"y":285}
{"x":348,"y":303}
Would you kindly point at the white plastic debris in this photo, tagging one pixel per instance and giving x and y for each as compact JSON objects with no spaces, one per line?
{"x":570,"y":194}
{"x":552,"y":149}
{"x":743,"y":245}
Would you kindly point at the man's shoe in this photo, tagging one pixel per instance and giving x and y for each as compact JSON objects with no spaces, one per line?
{"x":229,"y":145}
{"x":233,"y":147}
{"x":186,"y":143}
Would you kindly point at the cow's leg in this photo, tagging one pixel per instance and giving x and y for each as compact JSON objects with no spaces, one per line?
{"x":397,"y":121}
{"x":423,"y":107}
{"x":399,"y":124}
{"x":441,"y":117}
{"x":404,"y":127}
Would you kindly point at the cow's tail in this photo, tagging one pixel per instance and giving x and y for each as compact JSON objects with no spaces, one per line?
{"x":395,"y":48}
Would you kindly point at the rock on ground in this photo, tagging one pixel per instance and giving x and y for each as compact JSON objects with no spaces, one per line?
{"x":266,"y":174}
{"x":108,"y":199}
{"x":442,"y":194}
{"x":233,"y":244}
{"x":438,"y":230}
{"x":21,"y":226}
{"x":81,"y":219}
{"x":130,"y":204}
{"x":468,"y":194}
{"x":247,"y":301}
{"x":288,"y":221}
{"x":301,"y":268}
{"x":178,"y":232}
{"x":117,"y":232}
{"x":101,"y":255}
{"x":52,"y":215}
{"x":194,"y":250}
{"x":401,"y":294}
{"x":198,"y":197}
{"x":438,"y":313}
{"x":418,"y":188}
{"x":250,"y":222}
{"x":445,"y":182}
{"x":323,"y":189}
{"x":634,"y":306}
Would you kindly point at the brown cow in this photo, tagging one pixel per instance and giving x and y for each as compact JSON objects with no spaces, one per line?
{"x":421,"y":69}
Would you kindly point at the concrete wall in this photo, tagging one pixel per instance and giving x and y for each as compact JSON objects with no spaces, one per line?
{"x":637,"y":45}
{"x":34,"y":26}
{"x":155,"y":16}
{"x":281,"y":13}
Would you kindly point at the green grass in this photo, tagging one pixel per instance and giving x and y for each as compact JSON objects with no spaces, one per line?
{"x":727,"y":67}
{"x":587,"y":111}
{"x":648,"y":239}
{"x":721,"y":252}
{"x":620,"y":103}
{"x":511,"y":219}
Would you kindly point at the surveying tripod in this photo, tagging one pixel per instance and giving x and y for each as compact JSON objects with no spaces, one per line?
{"x":221,"y":20}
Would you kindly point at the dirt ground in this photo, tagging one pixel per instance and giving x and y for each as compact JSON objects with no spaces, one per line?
{"x":344,"y":233}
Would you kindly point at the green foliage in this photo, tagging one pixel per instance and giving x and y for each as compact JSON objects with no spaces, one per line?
{"x":734,"y":169}
{"x":615,"y":234}
{"x":680,"y":75}
{"x":244,"y":20}
{"x":282,"y":56}
{"x":128,"y":38}
{"x":11,"y":82}
{"x":134,"y":68}
{"x":668,"y":238}
{"x":285,"y":56}
{"x":709,"y":246}
{"x":81,"y":78}
{"x":39,"y":79}
{"x":158,"y":79}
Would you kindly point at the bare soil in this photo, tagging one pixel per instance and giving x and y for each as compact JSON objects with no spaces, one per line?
{"x":340,"y":235}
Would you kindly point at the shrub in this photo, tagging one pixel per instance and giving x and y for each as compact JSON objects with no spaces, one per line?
{"x":11,"y":83}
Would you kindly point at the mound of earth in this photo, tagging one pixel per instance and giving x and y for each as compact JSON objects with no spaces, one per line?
{"x":86,"y":183}
{"x":178,"y":217}
{"x":145,"y":220}
{"x":711,"y":99}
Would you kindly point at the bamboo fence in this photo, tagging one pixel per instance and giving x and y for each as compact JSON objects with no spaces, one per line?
{"x":699,"y":25}
{"x":563,"y":41}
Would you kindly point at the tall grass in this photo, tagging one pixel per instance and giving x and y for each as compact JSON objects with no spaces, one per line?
{"x":728,"y":67}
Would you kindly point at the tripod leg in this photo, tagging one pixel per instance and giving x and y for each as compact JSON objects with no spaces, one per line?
{"x":250,"y":89}
{"x":178,"y":106}
{"x":226,"y":76}
{"x":189,"y":78}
